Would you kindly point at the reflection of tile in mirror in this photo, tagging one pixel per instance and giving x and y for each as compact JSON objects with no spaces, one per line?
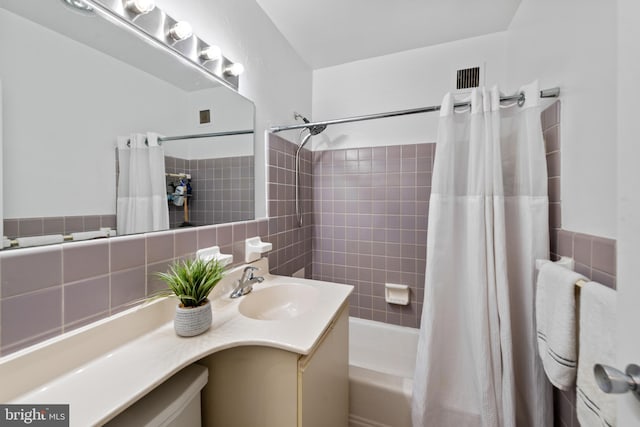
{"x":205,"y":117}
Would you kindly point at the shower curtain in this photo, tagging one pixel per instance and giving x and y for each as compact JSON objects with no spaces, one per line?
{"x":142,"y":189}
{"x":477,"y":362}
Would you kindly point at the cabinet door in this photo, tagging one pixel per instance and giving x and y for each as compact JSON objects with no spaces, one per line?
{"x":250,"y":387}
{"x":323,"y":379}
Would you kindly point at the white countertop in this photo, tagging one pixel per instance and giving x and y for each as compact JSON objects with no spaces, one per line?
{"x":105,"y":367}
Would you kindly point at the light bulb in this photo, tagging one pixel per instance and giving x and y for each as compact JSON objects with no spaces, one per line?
{"x":181,"y":30}
{"x":140,"y":6}
{"x":80,"y":6}
{"x":211,"y":53}
{"x":234,"y":69}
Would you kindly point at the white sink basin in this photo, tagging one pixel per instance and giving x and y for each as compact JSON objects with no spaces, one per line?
{"x":279,"y":302}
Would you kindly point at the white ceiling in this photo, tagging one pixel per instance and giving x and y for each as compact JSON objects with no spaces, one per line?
{"x":332,"y":32}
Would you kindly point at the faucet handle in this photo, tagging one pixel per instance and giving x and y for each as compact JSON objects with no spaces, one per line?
{"x":248,"y":272}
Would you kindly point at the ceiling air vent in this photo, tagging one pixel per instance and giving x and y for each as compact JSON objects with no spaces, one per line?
{"x":468,"y":78}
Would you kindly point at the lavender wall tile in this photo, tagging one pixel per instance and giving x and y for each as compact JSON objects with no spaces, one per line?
{"x":225,"y":235}
{"x":85,"y":321}
{"x":553,"y":164}
{"x":85,"y":259}
{"x":73,"y":224}
{"x":154,"y":284}
{"x":127,"y":252}
{"x":53,"y":225}
{"x":582,"y":249}
{"x":86,"y":298}
{"x":555,"y":216}
{"x":26,"y":316}
{"x":127,"y":286}
{"x":32,"y":227}
{"x":27,"y":270}
{"x":603,"y":278}
{"x":207,"y":236}
{"x":565,"y":243}
{"x":551,"y":139}
{"x":186,"y":242}
{"x":604,"y":255}
{"x":377,"y":217}
{"x":29,"y":342}
{"x":159,"y":246}
{"x":550,"y":116}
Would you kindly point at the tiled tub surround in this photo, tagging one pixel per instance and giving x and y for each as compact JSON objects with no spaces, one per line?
{"x":595,"y":257}
{"x":26,"y":227}
{"x":294,"y":241}
{"x":370,"y":210}
{"x":49,"y":290}
{"x":223,"y":190}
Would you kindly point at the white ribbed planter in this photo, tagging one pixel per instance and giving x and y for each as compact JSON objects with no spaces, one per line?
{"x":190,"y":322}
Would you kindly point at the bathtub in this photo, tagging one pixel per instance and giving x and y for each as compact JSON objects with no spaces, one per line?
{"x":382,"y":358}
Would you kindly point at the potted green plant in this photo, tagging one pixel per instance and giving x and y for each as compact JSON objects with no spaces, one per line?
{"x":191,"y":281}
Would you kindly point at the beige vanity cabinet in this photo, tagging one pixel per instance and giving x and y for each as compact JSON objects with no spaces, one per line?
{"x":257,"y":386}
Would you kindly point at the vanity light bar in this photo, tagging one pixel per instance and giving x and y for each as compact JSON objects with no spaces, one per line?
{"x":175,"y":35}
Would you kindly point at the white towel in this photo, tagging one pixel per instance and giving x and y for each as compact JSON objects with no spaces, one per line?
{"x":49,"y":239}
{"x":556,"y":323}
{"x":597,"y":345}
{"x":88,"y":235}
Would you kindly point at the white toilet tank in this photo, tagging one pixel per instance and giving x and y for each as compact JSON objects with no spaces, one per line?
{"x":174,"y":403}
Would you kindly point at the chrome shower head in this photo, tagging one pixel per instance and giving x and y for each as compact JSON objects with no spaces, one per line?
{"x":314,"y":130}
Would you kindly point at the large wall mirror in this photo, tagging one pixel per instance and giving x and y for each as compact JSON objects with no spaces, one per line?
{"x":73,"y":83}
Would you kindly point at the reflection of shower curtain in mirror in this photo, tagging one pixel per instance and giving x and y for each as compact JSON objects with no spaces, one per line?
{"x":142,"y":200}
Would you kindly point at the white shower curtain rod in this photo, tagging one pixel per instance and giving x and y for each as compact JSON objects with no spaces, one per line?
{"x":546,"y":93}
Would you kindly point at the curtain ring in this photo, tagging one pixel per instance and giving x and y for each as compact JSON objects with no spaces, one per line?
{"x":521,"y":99}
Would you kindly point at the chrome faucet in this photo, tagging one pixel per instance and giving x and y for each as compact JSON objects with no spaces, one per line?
{"x":245,"y":284}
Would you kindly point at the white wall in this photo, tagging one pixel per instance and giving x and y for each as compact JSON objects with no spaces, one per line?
{"x":229,"y":112}
{"x":409,"y":79}
{"x":59,"y":143}
{"x":276,"y":79}
{"x":572,"y":44}
{"x":629,"y":200}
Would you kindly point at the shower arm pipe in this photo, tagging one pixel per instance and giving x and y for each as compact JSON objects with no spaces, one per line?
{"x":546,"y":93}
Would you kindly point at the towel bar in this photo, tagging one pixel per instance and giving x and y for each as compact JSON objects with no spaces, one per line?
{"x":611,"y":380}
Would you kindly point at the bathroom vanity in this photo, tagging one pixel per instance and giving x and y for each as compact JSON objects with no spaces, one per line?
{"x":278,"y":354}
{"x":271,"y":387}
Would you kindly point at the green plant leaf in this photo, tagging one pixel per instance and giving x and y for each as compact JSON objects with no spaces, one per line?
{"x":192,"y":280}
